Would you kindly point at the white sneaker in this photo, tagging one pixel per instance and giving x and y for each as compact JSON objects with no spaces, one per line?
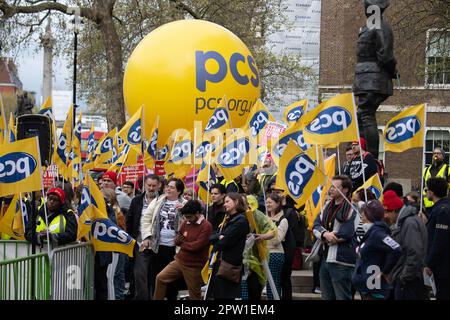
{"x":317,"y":290}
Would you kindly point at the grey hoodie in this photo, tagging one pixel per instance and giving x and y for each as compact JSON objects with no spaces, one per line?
{"x":411,"y":233}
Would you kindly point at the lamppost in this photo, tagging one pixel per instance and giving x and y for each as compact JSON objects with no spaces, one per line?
{"x":76,"y":28}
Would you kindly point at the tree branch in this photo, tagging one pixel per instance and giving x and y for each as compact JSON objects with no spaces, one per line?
{"x":11,"y":10}
{"x":182,"y":6}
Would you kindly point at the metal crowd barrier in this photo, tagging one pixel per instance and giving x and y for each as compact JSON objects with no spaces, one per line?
{"x":67,"y":273}
{"x":17,"y":281}
{"x":73,"y":272}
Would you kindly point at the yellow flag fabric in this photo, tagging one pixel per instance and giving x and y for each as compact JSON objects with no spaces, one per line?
{"x":317,"y":200}
{"x":107,"y":236}
{"x":11,"y":129}
{"x":92,"y":205}
{"x":294,"y":133}
{"x":106,"y":150}
{"x":298,"y":174}
{"x":46,"y":108}
{"x":295,"y":111}
{"x":205,"y":178}
{"x":131,"y":132}
{"x":90,"y":148}
{"x":12,"y":223}
{"x":2,"y":122}
{"x":68,"y":129}
{"x":219,"y":121}
{"x":406,"y":130}
{"x":233,"y":155}
{"x":127,"y":157}
{"x":333,"y":121}
{"x":374,"y":185}
{"x":151,"y":152}
{"x":20,"y":167}
{"x":258,"y":120}
{"x":64,"y":147}
{"x":181,"y":158}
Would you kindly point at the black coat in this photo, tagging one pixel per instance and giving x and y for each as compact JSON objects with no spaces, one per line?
{"x":232,"y":245}
{"x":438,"y":256}
{"x":216,"y":214}
{"x":133,"y":217}
{"x":230,"y":249}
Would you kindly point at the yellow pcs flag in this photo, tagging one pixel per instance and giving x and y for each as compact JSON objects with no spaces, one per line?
{"x":106,"y":150}
{"x":12,"y":223}
{"x":317,"y":200}
{"x":151,"y":152}
{"x":219,"y":121}
{"x":258,"y":119}
{"x":406,"y":130}
{"x":298,"y":174}
{"x":181,"y":156}
{"x":374,"y":185}
{"x":92,"y":205}
{"x":295,"y":111}
{"x":107,"y":236}
{"x":131,"y":132}
{"x":233,"y":155}
{"x":333,"y":121}
{"x":46,"y":108}
{"x":20,"y":167}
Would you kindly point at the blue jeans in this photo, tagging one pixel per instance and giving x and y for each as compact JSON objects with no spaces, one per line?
{"x":335,"y":281}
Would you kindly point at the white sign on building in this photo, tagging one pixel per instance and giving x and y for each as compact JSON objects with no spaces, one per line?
{"x":302,"y":37}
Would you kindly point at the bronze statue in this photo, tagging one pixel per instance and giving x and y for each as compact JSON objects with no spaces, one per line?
{"x":375,"y":69}
{"x":25,"y":104}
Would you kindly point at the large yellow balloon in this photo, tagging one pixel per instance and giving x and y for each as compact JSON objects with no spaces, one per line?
{"x":180,"y":72}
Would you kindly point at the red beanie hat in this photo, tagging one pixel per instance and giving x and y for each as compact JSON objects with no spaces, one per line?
{"x":392,"y":201}
{"x":111,"y":175}
{"x":361,"y":142}
{"x":59,"y":193}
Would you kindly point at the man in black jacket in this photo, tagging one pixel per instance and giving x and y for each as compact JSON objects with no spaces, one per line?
{"x":438,"y":256}
{"x":139,"y":204}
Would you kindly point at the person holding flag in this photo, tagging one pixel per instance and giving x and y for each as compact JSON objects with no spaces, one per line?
{"x":362,"y":160}
{"x":335,"y":227}
{"x":62,"y":223}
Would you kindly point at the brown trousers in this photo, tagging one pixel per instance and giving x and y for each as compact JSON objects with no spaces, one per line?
{"x":174,"y":271}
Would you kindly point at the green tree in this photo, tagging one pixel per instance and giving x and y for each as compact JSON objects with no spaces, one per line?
{"x":113,"y":28}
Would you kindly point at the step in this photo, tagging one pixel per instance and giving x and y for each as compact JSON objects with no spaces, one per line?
{"x":306,"y":296}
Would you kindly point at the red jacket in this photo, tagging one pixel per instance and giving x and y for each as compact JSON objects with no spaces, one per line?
{"x":195,"y":247}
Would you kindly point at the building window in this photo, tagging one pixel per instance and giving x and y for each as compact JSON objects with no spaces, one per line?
{"x":436,"y":138}
{"x":438,"y":58}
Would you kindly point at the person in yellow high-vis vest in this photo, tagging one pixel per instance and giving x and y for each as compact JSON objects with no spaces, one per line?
{"x":438,"y":168}
{"x":62,"y":223}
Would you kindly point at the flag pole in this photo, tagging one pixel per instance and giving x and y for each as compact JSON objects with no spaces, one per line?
{"x":193,"y":177}
{"x":360,"y":147}
{"x":43,"y":196}
{"x":207,"y":183}
{"x":338,"y":158}
{"x":422,"y":178}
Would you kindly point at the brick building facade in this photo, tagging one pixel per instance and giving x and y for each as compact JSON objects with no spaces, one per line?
{"x":341,"y":20}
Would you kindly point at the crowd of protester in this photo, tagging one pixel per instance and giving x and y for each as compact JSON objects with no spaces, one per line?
{"x":250,"y":232}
